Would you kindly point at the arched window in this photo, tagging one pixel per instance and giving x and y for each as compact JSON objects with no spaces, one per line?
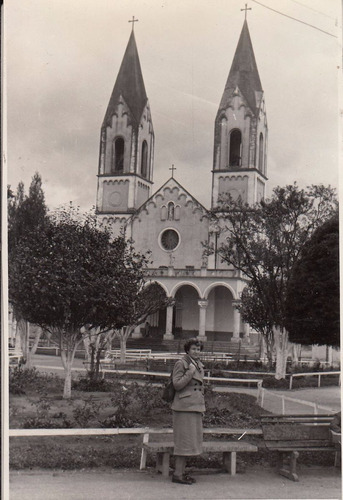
{"x":171,"y":210}
{"x":235,"y":148}
{"x":260,"y":154}
{"x":118,"y":156}
{"x":144,"y":160}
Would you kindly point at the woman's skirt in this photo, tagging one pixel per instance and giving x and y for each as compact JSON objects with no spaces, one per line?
{"x":187,"y":429}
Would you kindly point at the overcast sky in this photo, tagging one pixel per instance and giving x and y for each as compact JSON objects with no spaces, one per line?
{"x":63,"y":57}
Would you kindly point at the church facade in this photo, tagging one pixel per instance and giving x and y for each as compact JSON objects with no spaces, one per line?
{"x":170,"y":222}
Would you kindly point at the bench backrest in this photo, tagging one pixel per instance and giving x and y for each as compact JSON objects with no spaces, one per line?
{"x":295,"y":432}
{"x":305,"y":428}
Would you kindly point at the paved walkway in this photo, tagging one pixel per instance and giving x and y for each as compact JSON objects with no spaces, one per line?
{"x":255,"y":483}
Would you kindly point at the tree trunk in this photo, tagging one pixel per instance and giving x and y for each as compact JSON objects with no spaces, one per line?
{"x":31,"y":352}
{"x":67,"y":357}
{"x":296,"y":349}
{"x":22,"y":336}
{"x":122,"y":339}
{"x":281,"y":347}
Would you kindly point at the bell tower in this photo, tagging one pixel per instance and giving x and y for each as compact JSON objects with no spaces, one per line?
{"x":126,"y":145}
{"x":240,"y":131}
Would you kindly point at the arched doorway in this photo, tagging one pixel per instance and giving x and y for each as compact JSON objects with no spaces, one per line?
{"x":186,"y":312}
{"x":157,"y":320}
{"x":219,"y":314}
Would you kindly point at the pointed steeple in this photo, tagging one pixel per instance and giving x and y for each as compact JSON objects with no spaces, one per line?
{"x":129,"y":84}
{"x":126,"y":143}
{"x":243,"y":73}
{"x":241,"y":131}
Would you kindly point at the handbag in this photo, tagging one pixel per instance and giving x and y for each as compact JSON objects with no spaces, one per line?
{"x":169,"y":390}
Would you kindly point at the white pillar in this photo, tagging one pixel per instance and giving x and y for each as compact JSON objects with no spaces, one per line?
{"x":246,"y":330}
{"x":236,"y":321}
{"x":169,"y":324}
{"x":202,"y":319}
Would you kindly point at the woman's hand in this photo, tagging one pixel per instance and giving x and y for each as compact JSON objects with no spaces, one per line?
{"x":192,"y":368}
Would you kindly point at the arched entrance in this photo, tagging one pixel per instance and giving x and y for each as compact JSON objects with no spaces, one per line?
{"x":155,"y":323}
{"x":219,"y":314}
{"x":186,"y":312}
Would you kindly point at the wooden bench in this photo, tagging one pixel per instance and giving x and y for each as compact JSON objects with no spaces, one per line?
{"x":290,"y":434}
{"x":229,"y":450}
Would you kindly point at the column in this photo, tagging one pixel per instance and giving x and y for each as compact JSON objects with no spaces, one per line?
{"x":236,"y":321}
{"x":202,"y":319}
{"x":246,"y":332}
{"x":169,"y":324}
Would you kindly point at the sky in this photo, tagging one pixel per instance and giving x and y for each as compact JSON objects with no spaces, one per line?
{"x":61,"y":62}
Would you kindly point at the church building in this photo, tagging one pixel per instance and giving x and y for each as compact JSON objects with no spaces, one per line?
{"x":170,"y":222}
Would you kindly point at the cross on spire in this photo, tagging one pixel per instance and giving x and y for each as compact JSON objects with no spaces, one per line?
{"x":172,"y":168}
{"x":133,"y":21}
{"x":246,"y":9}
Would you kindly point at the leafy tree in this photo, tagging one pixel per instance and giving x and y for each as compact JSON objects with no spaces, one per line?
{"x":25,"y":215}
{"x":312,"y":302}
{"x":70,"y":274}
{"x":264,"y":242}
{"x":139,"y":305}
{"x":253,"y":312}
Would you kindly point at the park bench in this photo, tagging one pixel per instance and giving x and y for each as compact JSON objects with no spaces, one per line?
{"x":130,"y":353}
{"x":229,"y":449}
{"x":290,"y":434}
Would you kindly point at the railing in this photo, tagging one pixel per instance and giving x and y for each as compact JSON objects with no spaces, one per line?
{"x":258,"y":382}
{"x":316,"y":374}
{"x":262,"y":392}
{"x":217,"y":273}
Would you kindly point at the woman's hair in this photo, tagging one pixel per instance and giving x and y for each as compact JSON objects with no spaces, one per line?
{"x":191,"y":342}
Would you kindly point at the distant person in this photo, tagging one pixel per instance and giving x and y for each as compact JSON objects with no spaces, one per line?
{"x":188,"y":407}
{"x":147,"y":329}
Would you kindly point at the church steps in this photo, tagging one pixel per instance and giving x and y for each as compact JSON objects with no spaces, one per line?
{"x":235,"y":349}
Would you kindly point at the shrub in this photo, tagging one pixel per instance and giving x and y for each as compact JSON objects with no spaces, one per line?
{"x":89,"y":411}
{"x":20,"y":379}
{"x":88,"y":384}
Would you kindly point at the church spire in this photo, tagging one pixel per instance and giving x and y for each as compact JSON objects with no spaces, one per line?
{"x":129,"y":84}
{"x":240,"y":131}
{"x":127,"y":142}
{"x":243,"y":73}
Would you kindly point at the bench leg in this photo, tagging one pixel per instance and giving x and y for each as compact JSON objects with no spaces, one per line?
{"x":291,"y":473}
{"x":229,"y":461}
{"x":162,"y":463}
{"x":337,"y":458}
{"x":159,"y":460}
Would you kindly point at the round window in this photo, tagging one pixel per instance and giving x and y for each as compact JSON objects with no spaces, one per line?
{"x":169,"y":239}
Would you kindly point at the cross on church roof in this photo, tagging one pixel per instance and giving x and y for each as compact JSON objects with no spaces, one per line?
{"x":172,"y":168}
{"x":133,"y":21}
{"x":246,"y":9}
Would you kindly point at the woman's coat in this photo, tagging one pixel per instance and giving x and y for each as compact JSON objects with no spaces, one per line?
{"x":189,"y":395}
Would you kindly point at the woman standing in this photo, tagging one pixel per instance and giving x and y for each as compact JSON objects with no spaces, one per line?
{"x":188,"y":407}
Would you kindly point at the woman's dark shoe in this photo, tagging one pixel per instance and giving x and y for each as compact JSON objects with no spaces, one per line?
{"x":181,"y":480}
{"x":189,"y":478}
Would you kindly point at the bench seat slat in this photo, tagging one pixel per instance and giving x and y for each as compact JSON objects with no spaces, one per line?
{"x":299,"y":445}
{"x":208,"y":446}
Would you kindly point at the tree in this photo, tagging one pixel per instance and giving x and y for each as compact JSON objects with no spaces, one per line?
{"x":25,"y":215}
{"x":264,"y":243}
{"x":312,"y":301}
{"x":253,"y":312}
{"x":149,"y":299}
{"x":69,"y":275}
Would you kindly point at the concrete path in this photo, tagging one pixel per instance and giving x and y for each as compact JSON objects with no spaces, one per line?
{"x":255,"y":483}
